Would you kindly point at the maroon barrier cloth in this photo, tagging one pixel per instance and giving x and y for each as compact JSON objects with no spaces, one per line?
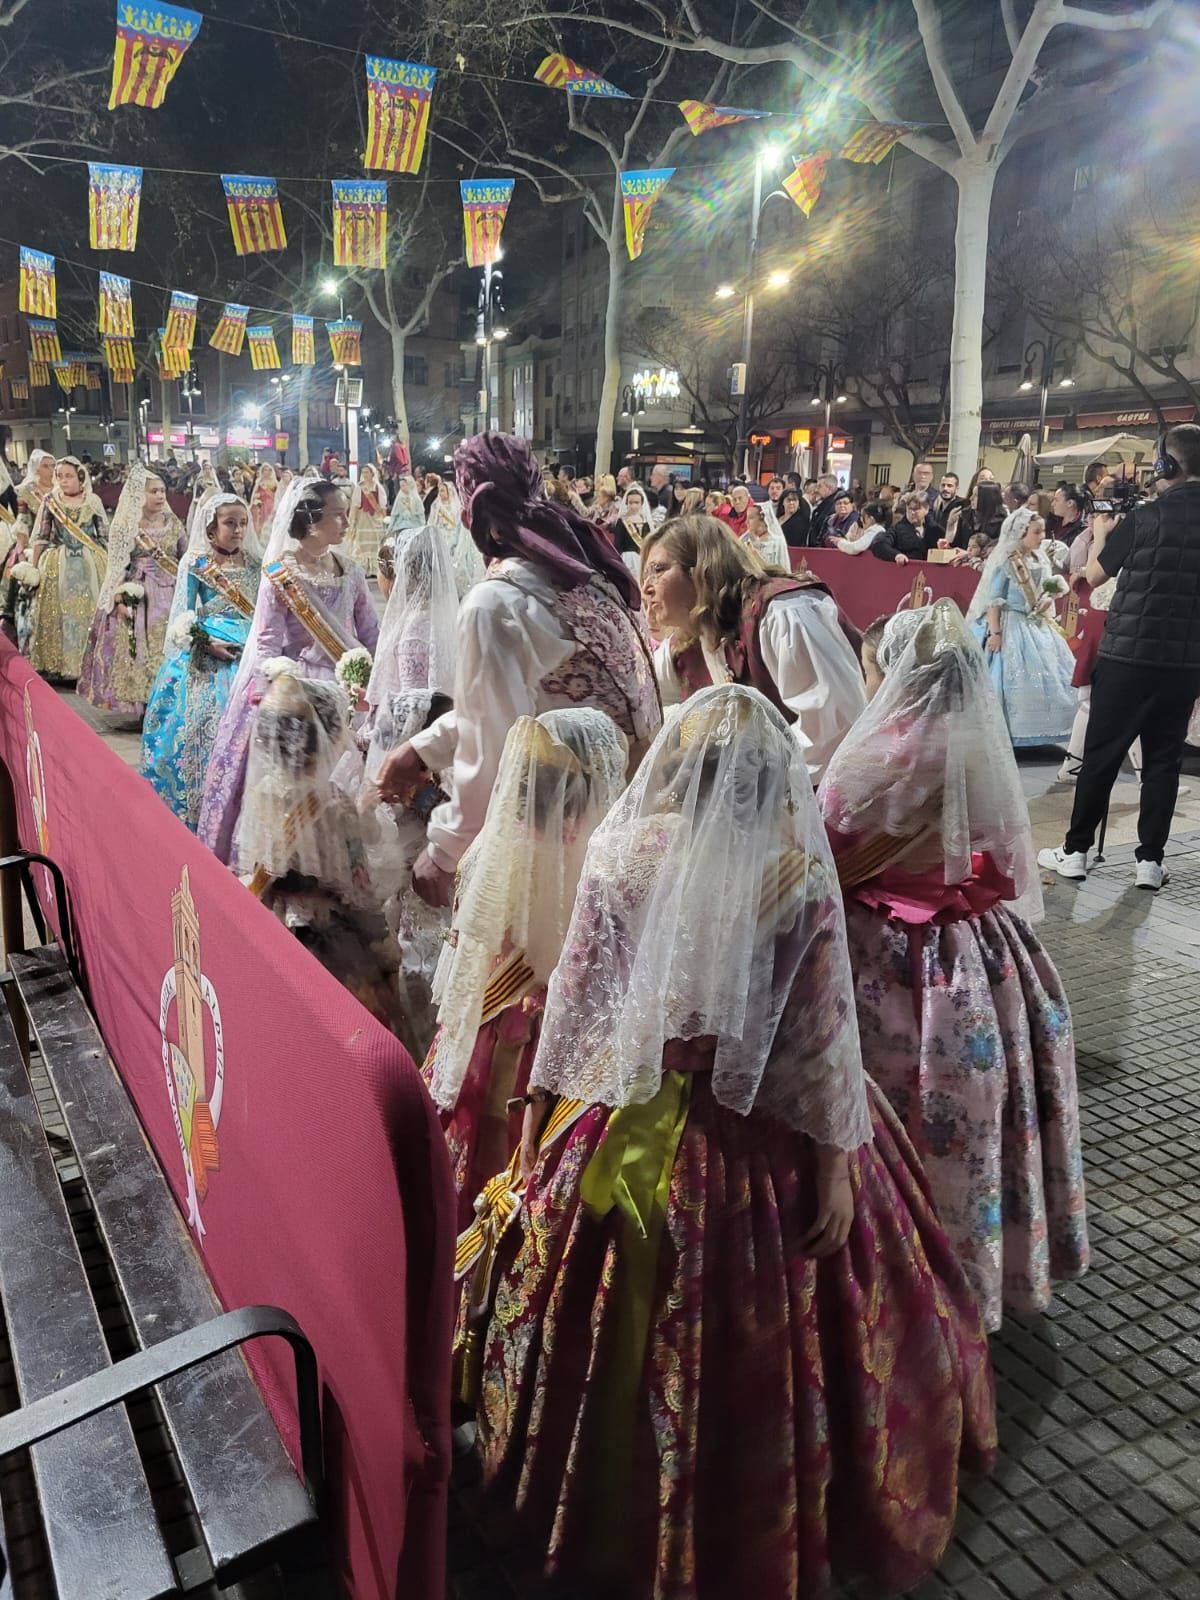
{"x":109,"y":493}
{"x":316,"y":1168}
{"x":865,"y":587}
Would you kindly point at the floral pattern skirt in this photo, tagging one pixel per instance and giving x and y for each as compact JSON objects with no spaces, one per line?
{"x":966,"y":1029}
{"x":780,"y":1418}
{"x":184,"y":712}
{"x":63,"y":606}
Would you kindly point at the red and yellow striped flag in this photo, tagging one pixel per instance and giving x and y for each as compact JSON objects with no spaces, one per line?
{"x":62,"y":375}
{"x":701,"y":115}
{"x":804,"y":184}
{"x":485,"y":205}
{"x":122,"y":363}
{"x":116,"y":305}
{"x":398,"y":99}
{"x":114,"y":201}
{"x":560,"y":72}
{"x":151,"y":42}
{"x":264,"y":353}
{"x":255,"y":215}
{"x":180,"y":332}
{"x":874,"y":140}
{"x":93,"y":379}
{"x":39,"y":374}
{"x":345,"y":341}
{"x":43,"y":341}
{"x":304,"y":343}
{"x":173,"y":361}
{"x":229,"y":335}
{"x":359,"y":223}
{"x":20,"y":388}
{"x":38,"y":296}
{"x":77,"y":368}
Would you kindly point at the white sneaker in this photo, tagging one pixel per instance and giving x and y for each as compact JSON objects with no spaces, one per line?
{"x":1069,"y":770}
{"x":1151,"y":875}
{"x":1068,"y":864}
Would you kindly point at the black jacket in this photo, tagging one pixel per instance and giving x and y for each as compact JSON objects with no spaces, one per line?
{"x":901,"y":539}
{"x":1154,"y":619}
{"x":822,"y":512}
{"x":796,"y":527}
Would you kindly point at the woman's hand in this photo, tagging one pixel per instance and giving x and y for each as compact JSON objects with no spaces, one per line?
{"x":835,"y":1204}
{"x":220,"y":651}
{"x":123,"y":611}
{"x":531,"y":1131}
{"x":952,"y":522}
{"x":995,"y":642}
{"x":901,"y":559}
{"x":401,"y":775}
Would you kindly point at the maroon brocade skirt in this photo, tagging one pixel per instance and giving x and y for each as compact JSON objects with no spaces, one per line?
{"x":784,"y":1418}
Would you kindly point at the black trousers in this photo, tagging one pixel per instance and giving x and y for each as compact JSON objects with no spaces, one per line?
{"x":1152,"y":704}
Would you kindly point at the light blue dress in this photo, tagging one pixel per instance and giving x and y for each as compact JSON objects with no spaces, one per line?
{"x":1032,"y":670}
{"x":190,"y":694}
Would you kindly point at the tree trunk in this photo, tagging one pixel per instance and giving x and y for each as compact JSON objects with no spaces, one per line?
{"x":975,"y":180}
{"x":302,"y":419}
{"x":399,"y":408}
{"x":610,"y":393}
{"x":164,"y":388}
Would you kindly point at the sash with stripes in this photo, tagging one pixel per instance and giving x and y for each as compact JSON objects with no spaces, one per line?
{"x":205,"y":567}
{"x":68,"y":521}
{"x":304,"y":811}
{"x":511,"y":981}
{"x":148,"y":548}
{"x":322,"y":629}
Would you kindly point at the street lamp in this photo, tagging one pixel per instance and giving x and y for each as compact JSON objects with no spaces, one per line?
{"x":278,"y":390}
{"x":191,"y":390}
{"x":1047,"y":351}
{"x":725,"y":291}
{"x":829,"y":390}
{"x":489,"y":326}
{"x":330,"y":286}
{"x":769,"y":157}
{"x":648,"y":391}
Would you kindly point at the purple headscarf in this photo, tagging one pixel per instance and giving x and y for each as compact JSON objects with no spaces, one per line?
{"x":504,"y":504}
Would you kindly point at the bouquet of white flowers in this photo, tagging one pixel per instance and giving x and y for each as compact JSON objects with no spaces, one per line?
{"x":179,"y":632}
{"x":353,"y":671}
{"x":131,"y":596}
{"x":27,"y":575}
{"x":1055,"y":585}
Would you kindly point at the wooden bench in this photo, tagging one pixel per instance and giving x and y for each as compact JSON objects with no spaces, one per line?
{"x":101,"y":1522}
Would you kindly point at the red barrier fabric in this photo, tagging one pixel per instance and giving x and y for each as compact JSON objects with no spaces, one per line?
{"x":294,"y":1131}
{"x":866,"y":588}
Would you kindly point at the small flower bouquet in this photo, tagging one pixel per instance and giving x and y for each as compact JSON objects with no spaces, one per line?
{"x":181,"y":631}
{"x":26,"y":574}
{"x":131,"y":595}
{"x":353,"y":671}
{"x":1055,"y":586}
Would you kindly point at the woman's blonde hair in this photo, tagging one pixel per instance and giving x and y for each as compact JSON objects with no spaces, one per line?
{"x":726,"y":573}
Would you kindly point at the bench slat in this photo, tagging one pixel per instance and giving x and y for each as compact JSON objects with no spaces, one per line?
{"x":246,"y":1492}
{"x":99,"y":1520}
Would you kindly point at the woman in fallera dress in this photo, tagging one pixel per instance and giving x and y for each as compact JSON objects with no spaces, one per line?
{"x":733,"y":1351}
{"x":18,"y":598}
{"x":70,"y":571}
{"x":207,"y":630}
{"x":262,"y":499}
{"x":313,"y":606}
{"x":963,"y":1019}
{"x":368,"y":519}
{"x":126,"y":639}
{"x":1029,"y":662}
{"x":559,"y":775}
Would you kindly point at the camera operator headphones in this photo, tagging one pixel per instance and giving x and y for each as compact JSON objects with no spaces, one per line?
{"x":1165,"y":465}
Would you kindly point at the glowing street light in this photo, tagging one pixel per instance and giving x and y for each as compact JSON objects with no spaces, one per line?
{"x":778,"y":280}
{"x":725,"y":291}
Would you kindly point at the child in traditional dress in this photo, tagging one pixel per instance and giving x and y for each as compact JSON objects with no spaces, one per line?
{"x":963,"y":1019}
{"x":734,"y":1350}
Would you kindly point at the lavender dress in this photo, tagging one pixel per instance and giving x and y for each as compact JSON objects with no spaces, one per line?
{"x":121,"y":659}
{"x":348,"y":600}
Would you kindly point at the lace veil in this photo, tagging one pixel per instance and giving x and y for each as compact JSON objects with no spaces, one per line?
{"x":122,"y":534}
{"x":1012,"y":531}
{"x":407,"y":510}
{"x":771,"y":548}
{"x":708,"y":909}
{"x":930,"y":760}
{"x":559,"y":774}
{"x":416,"y":648}
{"x":445,"y":515}
{"x":294,"y":817}
{"x":201,"y":518}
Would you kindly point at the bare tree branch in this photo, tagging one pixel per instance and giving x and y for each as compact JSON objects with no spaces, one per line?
{"x":929,"y":24}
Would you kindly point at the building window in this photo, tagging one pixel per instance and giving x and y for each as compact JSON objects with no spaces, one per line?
{"x":570,"y":251}
{"x":416,"y":371}
{"x":548,"y":385}
{"x":3,"y":330}
{"x":880,"y":475}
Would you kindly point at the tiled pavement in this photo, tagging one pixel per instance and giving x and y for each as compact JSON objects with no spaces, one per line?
{"x":1096,"y":1495}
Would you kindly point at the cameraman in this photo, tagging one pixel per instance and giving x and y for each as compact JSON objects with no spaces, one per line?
{"x":1147,"y":675}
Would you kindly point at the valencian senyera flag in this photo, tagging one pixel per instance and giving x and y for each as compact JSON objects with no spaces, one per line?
{"x":345,"y":341}
{"x":114,"y":200}
{"x":255,"y":215}
{"x":304,"y":343}
{"x":180,"y":331}
{"x":264,"y":356}
{"x":62,"y":375}
{"x":639,"y":191}
{"x":39,"y":374}
{"x":484,"y":203}
{"x":701,"y":115}
{"x":804,"y":184}
{"x":151,"y":42}
{"x":38,"y":297}
{"x":398,"y":98}
{"x":874,"y":140}
{"x":229,"y":335}
{"x":93,"y":379}
{"x":20,"y":388}
{"x":43,"y":341}
{"x":560,"y":72}
{"x":359,"y":222}
{"x":173,"y":360}
{"x":76,"y":368}
{"x":122,"y":363}
{"x":116,"y":305}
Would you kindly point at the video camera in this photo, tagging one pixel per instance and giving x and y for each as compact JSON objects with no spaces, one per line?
{"x":1122,"y":497}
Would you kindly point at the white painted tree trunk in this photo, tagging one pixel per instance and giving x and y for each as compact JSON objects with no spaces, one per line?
{"x":613,"y":312}
{"x":302,"y":419}
{"x":165,"y":388}
{"x":975,"y":180}
{"x":399,"y":408}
